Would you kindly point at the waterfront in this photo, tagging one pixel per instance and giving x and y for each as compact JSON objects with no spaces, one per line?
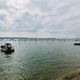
{"x":39,"y":60}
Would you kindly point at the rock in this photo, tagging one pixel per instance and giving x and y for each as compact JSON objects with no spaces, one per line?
{"x":74,"y":76}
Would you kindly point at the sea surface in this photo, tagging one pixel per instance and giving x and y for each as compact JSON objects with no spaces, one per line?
{"x":39,"y":60}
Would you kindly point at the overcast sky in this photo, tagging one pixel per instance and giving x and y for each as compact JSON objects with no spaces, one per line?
{"x":40,"y":18}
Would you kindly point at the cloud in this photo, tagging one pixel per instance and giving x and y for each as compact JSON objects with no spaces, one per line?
{"x":46,"y":18}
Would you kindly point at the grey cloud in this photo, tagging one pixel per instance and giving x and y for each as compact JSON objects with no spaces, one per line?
{"x":60,"y":17}
{"x":3,"y":4}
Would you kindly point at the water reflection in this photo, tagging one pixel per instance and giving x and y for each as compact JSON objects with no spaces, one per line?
{"x":39,"y":60}
{"x":8,"y":54}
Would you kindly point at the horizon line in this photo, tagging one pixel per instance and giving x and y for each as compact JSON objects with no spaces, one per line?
{"x":38,"y":38}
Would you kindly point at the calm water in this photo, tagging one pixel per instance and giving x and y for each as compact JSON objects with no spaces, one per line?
{"x":39,"y":60}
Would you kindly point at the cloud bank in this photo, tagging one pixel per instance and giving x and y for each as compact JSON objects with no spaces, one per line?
{"x":40,"y":18}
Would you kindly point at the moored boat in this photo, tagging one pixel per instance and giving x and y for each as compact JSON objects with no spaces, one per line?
{"x":76,"y":43}
{"x":7,"y":48}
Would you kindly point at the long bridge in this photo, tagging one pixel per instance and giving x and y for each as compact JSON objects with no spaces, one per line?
{"x":36,"y":39}
{"x":24,"y":38}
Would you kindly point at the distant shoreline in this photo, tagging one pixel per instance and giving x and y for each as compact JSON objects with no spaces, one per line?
{"x":39,"y":38}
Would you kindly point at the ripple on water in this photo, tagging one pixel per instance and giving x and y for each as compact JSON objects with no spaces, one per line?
{"x":36,"y":61}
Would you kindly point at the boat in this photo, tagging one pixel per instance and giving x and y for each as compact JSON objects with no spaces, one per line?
{"x":76,"y":43}
{"x":7,"y":48}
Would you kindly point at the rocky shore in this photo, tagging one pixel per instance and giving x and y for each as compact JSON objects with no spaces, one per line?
{"x":74,"y":76}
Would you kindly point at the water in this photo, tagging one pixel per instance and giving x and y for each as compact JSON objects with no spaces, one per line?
{"x":39,"y":60}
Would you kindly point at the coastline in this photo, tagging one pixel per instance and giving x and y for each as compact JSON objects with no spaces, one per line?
{"x":73,"y":76}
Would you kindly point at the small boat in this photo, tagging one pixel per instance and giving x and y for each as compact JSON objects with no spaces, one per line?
{"x":7,"y":48}
{"x":76,"y":43}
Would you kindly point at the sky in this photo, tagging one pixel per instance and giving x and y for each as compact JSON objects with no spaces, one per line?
{"x":40,"y":18}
